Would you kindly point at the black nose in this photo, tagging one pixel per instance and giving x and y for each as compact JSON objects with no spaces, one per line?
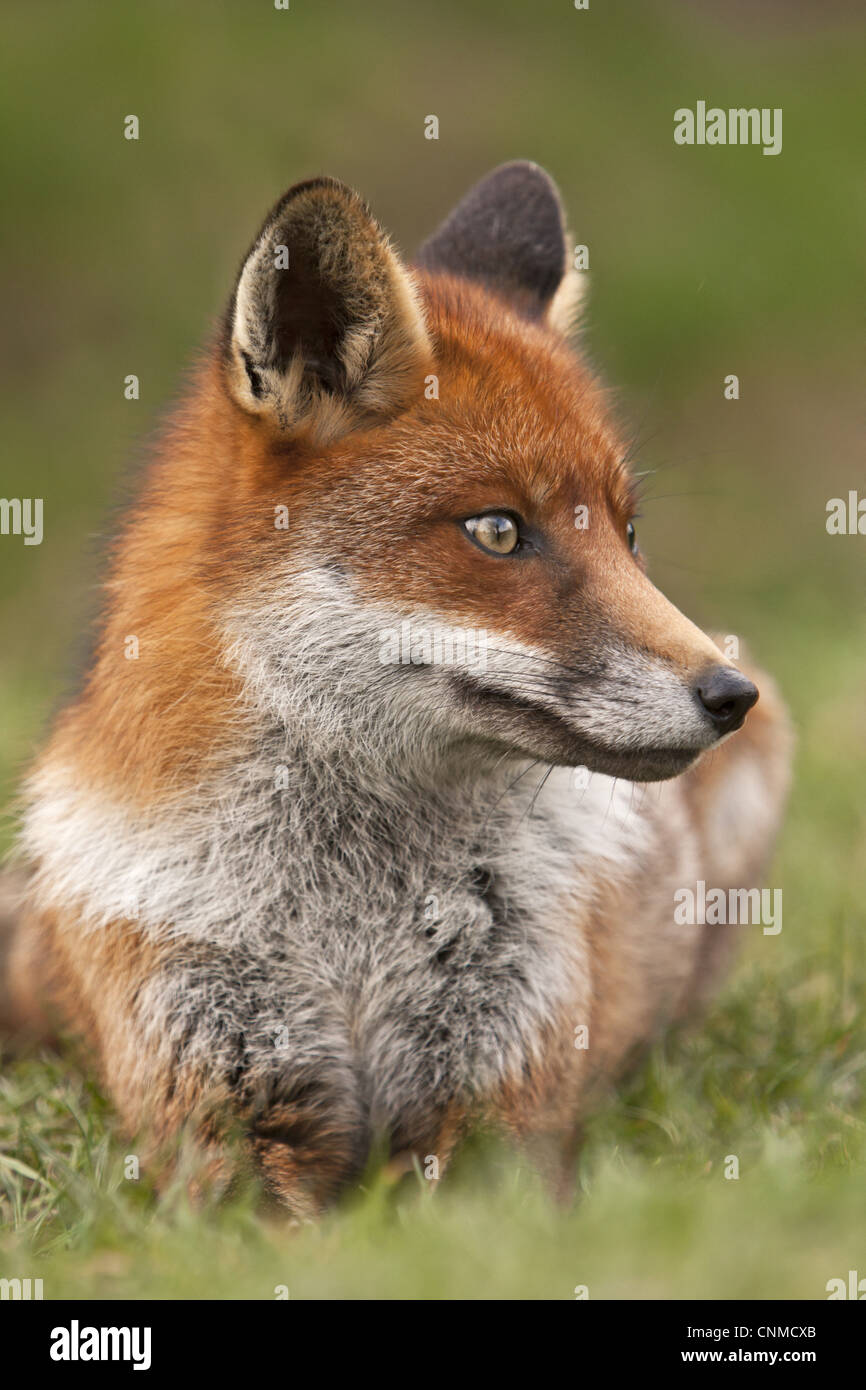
{"x":726,"y":696}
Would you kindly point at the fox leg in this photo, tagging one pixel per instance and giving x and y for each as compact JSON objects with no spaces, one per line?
{"x":187,"y":1050}
{"x":25,"y":1018}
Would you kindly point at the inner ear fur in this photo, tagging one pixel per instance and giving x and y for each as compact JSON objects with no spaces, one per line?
{"x":324,"y":331}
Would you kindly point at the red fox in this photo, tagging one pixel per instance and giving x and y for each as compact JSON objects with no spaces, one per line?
{"x":307,"y":854}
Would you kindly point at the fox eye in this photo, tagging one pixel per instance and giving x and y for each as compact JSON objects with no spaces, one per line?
{"x":494,"y":531}
{"x":631,"y":537}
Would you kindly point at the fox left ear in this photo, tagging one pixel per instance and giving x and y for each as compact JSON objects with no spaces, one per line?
{"x":324,"y":333}
{"x":508,"y":233}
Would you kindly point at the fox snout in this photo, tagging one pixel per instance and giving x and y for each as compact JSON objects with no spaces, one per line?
{"x":726,"y":696}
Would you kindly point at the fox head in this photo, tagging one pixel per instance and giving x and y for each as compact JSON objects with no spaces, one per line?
{"x":459,"y":556}
{"x":399,"y":502}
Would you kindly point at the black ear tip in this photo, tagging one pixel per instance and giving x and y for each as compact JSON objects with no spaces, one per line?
{"x":521,"y":187}
{"x":507,"y":233}
{"x":526,"y":174}
{"x":321,"y":188}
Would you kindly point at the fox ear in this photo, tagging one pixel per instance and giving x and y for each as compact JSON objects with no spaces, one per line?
{"x":508,"y":233}
{"x":324,"y":333}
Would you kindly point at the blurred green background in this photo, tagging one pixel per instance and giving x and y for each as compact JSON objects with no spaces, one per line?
{"x":118,"y":255}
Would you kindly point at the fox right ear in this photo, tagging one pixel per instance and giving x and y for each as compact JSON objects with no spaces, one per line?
{"x":324,"y":333}
{"x":508,"y":233}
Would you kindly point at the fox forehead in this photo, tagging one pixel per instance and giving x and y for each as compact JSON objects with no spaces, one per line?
{"x":514,"y":419}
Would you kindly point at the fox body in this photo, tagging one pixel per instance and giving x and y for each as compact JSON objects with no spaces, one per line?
{"x":279,"y":880}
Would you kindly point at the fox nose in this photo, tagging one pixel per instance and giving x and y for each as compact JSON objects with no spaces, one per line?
{"x":727,"y":696}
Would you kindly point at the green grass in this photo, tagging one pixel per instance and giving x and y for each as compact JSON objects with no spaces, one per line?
{"x":704,"y":262}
